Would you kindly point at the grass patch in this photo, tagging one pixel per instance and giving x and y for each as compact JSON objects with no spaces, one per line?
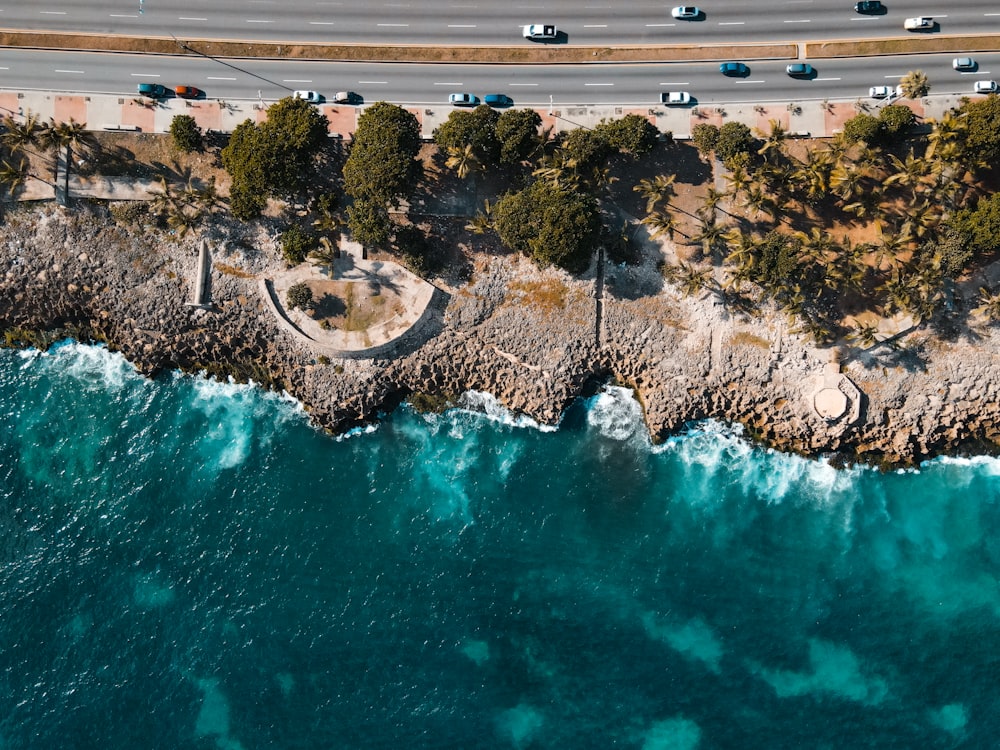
{"x":745,"y":338}
{"x":914,"y":45}
{"x":547,"y":294}
{"x":228,"y":270}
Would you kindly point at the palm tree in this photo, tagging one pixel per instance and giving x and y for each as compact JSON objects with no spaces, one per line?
{"x":711,"y":202}
{"x":559,"y":169}
{"x":945,"y":136}
{"x":183,"y":220}
{"x":463,"y":160}
{"x":908,"y":173}
{"x":864,"y":334}
{"x":817,"y":245}
{"x":482,"y":221}
{"x":17,"y":136}
{"x":693,"y":279}
{"x":989,"y":305}
{"x":889,"y":246}
{"x":847,"y":181}
{"x":65,"y":135}
{"x":164,"y":200}
{"x":774,"y":142}
{"x":661,"y":222}
{"x":738,"y":180}
{"x":915,"y":84}
{"x":710,"y":235}
{"x":658,"y":190}
{"x":13,"y":175}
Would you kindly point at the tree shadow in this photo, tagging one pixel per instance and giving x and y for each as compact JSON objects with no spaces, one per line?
{"x":329,"y":306}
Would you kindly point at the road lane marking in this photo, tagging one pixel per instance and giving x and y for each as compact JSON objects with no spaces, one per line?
{"x":392,"y":24}
{"x":321,"y":23}
{"x":991,"y":14}
{"x":257,"y":20}
{"x":731,"y":23}
{"x":145,"y":75}
{"x":975,"y":73}
{"x":368,"y":82}
{"x":598,"y":84}
{"x":826,"y":79}
{"x":296,"y":80}
{"x":220,"y":78}
{"x":52,"y":12}
{"x":461,"y":25}
{"x":190,"y":18}
{"x":656,"y":25}
{"x":448,"y":83}
{"x":801,"y":20}
{"x":899,"y":76}
{"x":69,"y":71}
{"x":122,"y":15}
{"x":675,"y":83}
{"x":760,"y":81}
{"x":523,"y":84}
{"x":865,"y":18}
{"x":595,"y":26}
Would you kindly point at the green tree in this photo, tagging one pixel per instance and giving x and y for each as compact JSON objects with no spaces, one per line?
{"x":863,"y":128}
{"x":299,"y":296}
{"x":735,"y":138}
{"x":275,"y":158}
{"x":705,"y":136}
{"x":633,"y":134}
{"x":369,"y":222}
{"x":586,"y":149}
{"x":475,"y":129}
{"x":981,"y":225}
{"x":296,"y":244}
{"x":186,"y":134}
{"x":517,"y":132}
{"x":382,"y":167}
{"x":896,"y":122}
{"x":551,"y":224}
{"x":980,"y":131}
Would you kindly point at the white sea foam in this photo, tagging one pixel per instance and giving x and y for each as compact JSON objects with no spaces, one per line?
{"x":486,"y":404}
{"x":952,"y":718}
{"x":354,"y":432}
{"x":616,"y":414}
{"x":832,"y":669}
{"x":92,"y":367}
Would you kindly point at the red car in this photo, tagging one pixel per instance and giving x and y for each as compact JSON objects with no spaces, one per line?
{"x":189,"y":92}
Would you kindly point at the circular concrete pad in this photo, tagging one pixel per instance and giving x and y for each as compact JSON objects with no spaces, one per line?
{"x":830,"y":403}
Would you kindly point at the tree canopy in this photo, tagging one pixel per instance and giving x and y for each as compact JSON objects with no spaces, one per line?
{"x":517,"y":132}
{"x":633,"y":134}
{"x":275,"y":157}
{"x":551,"y":224}
{"x":382,"y":166}
{"x":476,"y":128}
{"x":981,"y":129}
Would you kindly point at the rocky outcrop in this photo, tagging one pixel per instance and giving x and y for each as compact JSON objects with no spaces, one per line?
{"x":523,"y":335}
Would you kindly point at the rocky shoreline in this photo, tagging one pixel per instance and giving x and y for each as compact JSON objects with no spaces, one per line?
{"x":535,"y":340}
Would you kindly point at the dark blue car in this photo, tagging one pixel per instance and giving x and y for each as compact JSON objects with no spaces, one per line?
{"x":734,"y":69}
{"x":497,"y":100}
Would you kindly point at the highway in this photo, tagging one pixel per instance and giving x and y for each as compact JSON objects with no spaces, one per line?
{"x":443,"y":22}
{"x":565,"y":85}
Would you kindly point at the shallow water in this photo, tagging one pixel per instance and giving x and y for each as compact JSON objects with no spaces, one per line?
{"x":189,"y":564}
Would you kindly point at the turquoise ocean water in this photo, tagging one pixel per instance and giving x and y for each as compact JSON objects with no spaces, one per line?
{"x":187,"y":564}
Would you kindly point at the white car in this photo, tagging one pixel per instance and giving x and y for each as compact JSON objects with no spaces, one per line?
{"x":920,"y":23}
{"x":463,"y":100}
{"x":880,"y":92}
{"x":985,"y":87}
{"x":540,"y":31}
{"x":675,"y":97}
{"x":963,"y":63}
{"x":310,"y":96}
{"x":686,"y":12}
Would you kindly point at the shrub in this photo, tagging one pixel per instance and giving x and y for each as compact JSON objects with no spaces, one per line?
{"x":299,"y":296}
{"x":128,"y":212}
{"x":896,"y":122}
{"x":633,"y":134}
{"x":735,"y":138}
{"x":863,"y":127}
{"x":296,"y":244}
{"x":186,"y":134}
{"x":517,"y":131}
{"x":705,"y":136}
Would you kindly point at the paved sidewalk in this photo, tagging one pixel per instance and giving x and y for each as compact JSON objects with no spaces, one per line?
{"x":106,"y":112}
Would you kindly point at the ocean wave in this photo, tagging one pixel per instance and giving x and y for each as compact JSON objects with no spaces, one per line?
{"x":91,"y":366}
{"x":616,"y":414}
{"x":487,"y":405}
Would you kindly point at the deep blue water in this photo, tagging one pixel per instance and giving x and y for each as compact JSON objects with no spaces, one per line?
{"x":187,"y":564}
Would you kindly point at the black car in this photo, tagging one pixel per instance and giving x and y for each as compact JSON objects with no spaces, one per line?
{"x":869,"y":6}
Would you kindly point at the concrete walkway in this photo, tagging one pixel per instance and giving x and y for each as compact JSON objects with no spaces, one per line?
{"x":412,"y":294}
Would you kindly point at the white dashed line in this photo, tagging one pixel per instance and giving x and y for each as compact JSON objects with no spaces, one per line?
{"x":658,"y":25}
{"x":598,"y":84}
{"x":69,"y":71}
{"x":826,"y":79}
{"x":760,"y":81}
{"x":732,"y":23}
{"x":258,"y":20}
{"x":675,"y":83}
{"x":461,"y":25}
{"x":802,"y":20}
{"x":142,"y":75}
{"x":220,"y":78}
{"x":448,"y":83}
{"x":372,"y":82}
{"x":191,"y":18}
{"x":522,"y":84}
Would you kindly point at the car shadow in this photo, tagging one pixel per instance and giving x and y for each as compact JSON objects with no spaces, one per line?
{"x":561,"y":37}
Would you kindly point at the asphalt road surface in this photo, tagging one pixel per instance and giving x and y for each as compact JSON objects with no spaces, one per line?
{"x":565,"y":85}
{"x":443,"y":22}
